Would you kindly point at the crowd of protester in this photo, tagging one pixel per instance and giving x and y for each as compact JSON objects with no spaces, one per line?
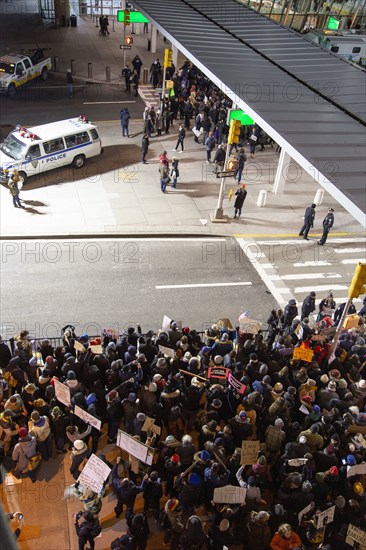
{"x":309,"y":417}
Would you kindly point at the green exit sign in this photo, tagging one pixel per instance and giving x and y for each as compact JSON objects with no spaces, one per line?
{"x":135,"y":17}
{"x":333,"y":24}
{"x":238,"y":114}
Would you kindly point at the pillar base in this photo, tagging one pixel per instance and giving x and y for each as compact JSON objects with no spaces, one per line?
{"x":218,"y":216}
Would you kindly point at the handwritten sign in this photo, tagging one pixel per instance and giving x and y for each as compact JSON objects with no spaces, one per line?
{"x":357,"y":535}
{"x":79,"y":346}
{"x":169,"y":352}
{"x":358,"y":469}
{"x":249,"y":452}
{"x":94,"y":474}
{"x":234,"y":383}
{"x":325,"y":517}
{"x":149,"y":425}
{"x":304,"y":511}
{"x":96,"y":349}
{"x":135,"y":448}
{"x":88,"y":418}
{"x":218,"y":372}
{"x":230,"y":495}
{"x":62,"y":393}
{"x":303,"y":354}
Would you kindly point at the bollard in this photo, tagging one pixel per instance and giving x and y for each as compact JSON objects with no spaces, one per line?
{"x":262,"y":198}
{"x":145,"y":75}
{"x":90,"y":70}
{"x":55,"y":62}
{"x":319,"y":197}
{"x":72,"y":66}
{"x":113,"y":27}
{"x":108,"y":74}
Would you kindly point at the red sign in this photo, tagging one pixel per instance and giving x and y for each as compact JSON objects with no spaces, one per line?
{"x":218,"y":372}
{"x":238,"y":386}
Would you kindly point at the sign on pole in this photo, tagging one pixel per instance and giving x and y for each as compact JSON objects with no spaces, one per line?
{"x":62,"y":393}
{"x":94,"y":474}
{"x":249,"y":452}
{"x":234,"y":383}
{"x":218,"y":372}
{"x":88,"y":418}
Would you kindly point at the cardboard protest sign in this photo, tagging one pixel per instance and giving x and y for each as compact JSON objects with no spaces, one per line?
{"x":79,"y":346}
{"x":356,"y":535}
{"x":325,"y":517}
{"x":149,"y":425}
{"x":359,"y":469}
{"x":135,"y":448}
{"x":218,"y":372}
{"x":234,"y":383}
{"x":87,"y":417}
{"x":248,"y":325}
{"x":224,"y":323}
{"x":249,"y":452}
{"x":96,"y":349}
{"x":230,"y":495}
{"x":94,"y":474}
{"x":62,"y":393}
{"x":167,"y":351}
{"x":303,"y":354}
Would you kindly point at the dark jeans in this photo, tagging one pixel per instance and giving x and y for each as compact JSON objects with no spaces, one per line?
{"x":119,"y":509}
{"x":238,"y":173}
{"x":179,"y":142}
{"x":45,"y":448}
{"x":208,"y":156}
{"x":16,"y":200}
{"x":84,"y":540}
{"x":304,"y":230}
{"x":237,"y":212}
{"x":124,"y":130}
{"x":113,"y":425}
{"x":323,"y":238}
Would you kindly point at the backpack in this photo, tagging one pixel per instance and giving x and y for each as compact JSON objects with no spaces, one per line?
{"x":10,"y":380}
{"x":96,"y":530}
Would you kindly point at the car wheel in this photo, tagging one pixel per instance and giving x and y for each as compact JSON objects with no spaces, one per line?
{"x":44,"y":73}
{"x":24,"y":176}
{"x":11,"y":90}
{"x":79,"y":161}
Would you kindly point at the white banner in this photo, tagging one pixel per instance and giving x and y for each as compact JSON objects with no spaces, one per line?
{"x":135,"y":448}
{"x":88,"y":418}
{"x":94,"y":474}
{"x":230,"y":495}
{"x":62,"y":393}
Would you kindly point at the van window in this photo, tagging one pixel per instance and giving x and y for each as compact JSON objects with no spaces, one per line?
{"x":94,"y":134}
{"x":26,"y":63}
{"x":334,"y":49}
{"x":356,"y":50}
{"x":54,"y":145}
{"x":76,"y":139}
{"x":19,"y":69}
{"x":33,"y":152}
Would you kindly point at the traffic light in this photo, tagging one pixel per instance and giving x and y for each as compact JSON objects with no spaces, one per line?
{"x":168,"y":58}
{"x":127,"y":18}
{"x":129,"y":40}
{"x":234,"y":132}
{"x":358,"y":283}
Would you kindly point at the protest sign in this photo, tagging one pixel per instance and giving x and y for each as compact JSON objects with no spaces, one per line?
{"x":111,"y":332}
{"x":167,"y":351}
{"x":234,"y":383}
{"x":79,"y":346}
{"x":62,"y":393}
{"x":359,"y":469}
{"x":356,"y":535}
{"x":303,"y":354}
{"x":166,"y":322}
{"x":135,"y":448}
{"x":149,"y":425}
{"x":96,"y":349}
{"x":249,"y":452}
{"x":87,"y":417}
{"x":325,"y":517}
{"x":94,"y":474}
{"x":304,"y":511}
{"x":230,"y":495}
{"x":304,"y":410}
{"x":218,"y":372}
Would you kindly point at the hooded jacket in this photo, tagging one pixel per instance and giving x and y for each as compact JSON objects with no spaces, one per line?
{"x":23,"y":451}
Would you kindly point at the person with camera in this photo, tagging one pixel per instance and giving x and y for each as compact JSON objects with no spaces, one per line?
{"x":88,"y":530}
{"x":18,"y":516}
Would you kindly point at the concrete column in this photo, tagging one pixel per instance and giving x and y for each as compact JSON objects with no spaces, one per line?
{"x":175,"y":56}
{"x":138,"y":28}
{"x":282,"y":171}
{"x":153,"y":36}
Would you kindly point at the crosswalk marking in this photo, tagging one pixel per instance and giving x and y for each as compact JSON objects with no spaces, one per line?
{"x":297,"y":276}
{"x":318,"y":288}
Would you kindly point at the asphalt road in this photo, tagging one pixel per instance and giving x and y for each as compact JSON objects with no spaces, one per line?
{"x":45,"y":285}
{"x":41,"y":102}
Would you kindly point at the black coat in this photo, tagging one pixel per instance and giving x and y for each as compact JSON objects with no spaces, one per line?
{"x":145,"y":145}
{"x":309,"y":216}
{"x":240,"y":198}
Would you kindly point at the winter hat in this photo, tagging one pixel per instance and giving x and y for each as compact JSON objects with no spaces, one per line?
{"x":71,"y":375}
{"x":243,"y":415}
{"x":340,"y":502}
{"x":306,"y":487}
{"x":187,"y":356}
{"x":279,"y":510}
{"x":361,"y":384}
{"x":91,"y":399}
{"x":157,"y":378}
{"x":358,"y":489}
{"x":141,"y":417}
{"x":216,"y":403}
{"x":316,"y":408}
{"x":219,"y":442}
{"x":324,"y":379}
{"x":279,"y":422}
{"x":79,"y":444}
{"x":218,"y":359}
{"x":306,"y":399}
{"x":332,"y":386}
{"x":112,"y":396}
{"x":204,"y":456}
{"x":263,"y":516}
{"x":351,"y":461}
{"x":224,"y":525}
{"x":303,"y":440}
{"x":172,"y":504}
{"x":56,"y":411}
{"x":152,"y":387}
{"x":333,"y":471}
{"x":329,"y":449}
{"x":35,"y":416}
{"x":194,"y":480}
{"x":161,"y":362}
{"x":33,"y":361}
{"x":175,"y":458}
{"x":334,"y":375}
{"x":132,"y":397}
{"x":23,"y":432}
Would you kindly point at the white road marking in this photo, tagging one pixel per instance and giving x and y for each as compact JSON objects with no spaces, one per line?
{"x":330,"y":242}
{"x":319,"y":288}
{"x":352,"y":250}
{"x":105,"y":102}
{"x":340,"y":300}
{"x":320,"y":263}
{"x":350,"y":261}
{"x":297,"y":276}
{"x":203,"y":285}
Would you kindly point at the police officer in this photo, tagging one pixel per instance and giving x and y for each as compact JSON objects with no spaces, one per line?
{"x":328,"y":223}
{"x":127,"y":73}
{"x":308,"y":221}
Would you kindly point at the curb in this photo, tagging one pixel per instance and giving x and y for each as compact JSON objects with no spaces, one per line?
{"x":102,"y":235}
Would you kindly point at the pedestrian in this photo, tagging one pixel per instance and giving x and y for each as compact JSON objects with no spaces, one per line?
{"x":126,"y":491}
{"x":181,"y":136}
{"x":285,"y":538}
{"x":79,"y":456}
{"x":328,"y":223}
{"x":39,"y":427}
{"x":144,"y":148}
{"x":88,"y":530}
{"x":23,"y":451}
{"x":164,"y":175}
{"x":289,"y":313}
{"x":126,"y":74}
{"x":125,"y":118}
{"x":209,"y":145}
{"x":308,"y":305}
{"x":152,"y":494}
{"x":308,"y":222}
{"x":13,"y":183}
{"x":70,"y":83}
{"x":253,"y":142}
{"x":135,"y":83}
{"x":175,"y":171}
{"x":138,"y":528}
{"x":158,"y":122}
{"x":241,"y":158}
{"x":241,"y":195}
{"x":106,"y":24}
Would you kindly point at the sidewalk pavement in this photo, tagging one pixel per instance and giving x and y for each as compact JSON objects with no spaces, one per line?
{"x":115,"y":194}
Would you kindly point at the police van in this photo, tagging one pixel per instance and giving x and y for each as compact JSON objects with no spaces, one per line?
{"x":38,"y":149}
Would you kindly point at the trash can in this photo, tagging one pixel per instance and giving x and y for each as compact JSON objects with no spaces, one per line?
{"x":73,"y":21}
